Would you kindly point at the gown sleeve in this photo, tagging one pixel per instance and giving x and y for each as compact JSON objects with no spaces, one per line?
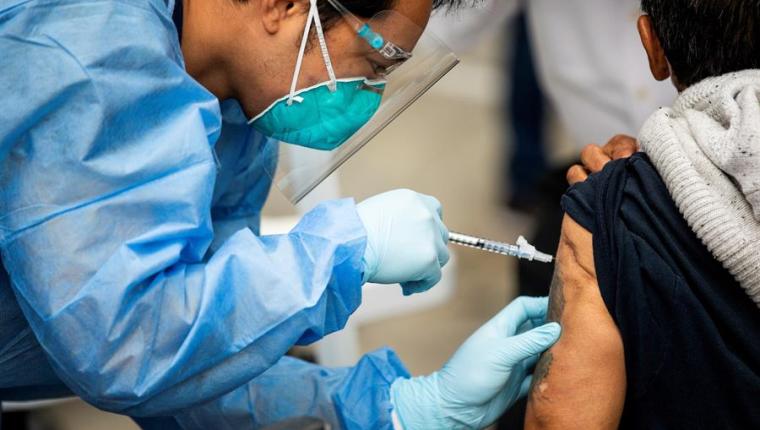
{"x":351,"y":398}
{"x":247,"y":160}
{"x":106,"y":179}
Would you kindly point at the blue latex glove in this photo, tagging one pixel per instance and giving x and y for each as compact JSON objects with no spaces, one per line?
{"x":407,"y":242}
{"x":484,"y":377}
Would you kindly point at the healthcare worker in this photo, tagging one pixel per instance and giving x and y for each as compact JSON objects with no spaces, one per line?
{"x":132,"y":274}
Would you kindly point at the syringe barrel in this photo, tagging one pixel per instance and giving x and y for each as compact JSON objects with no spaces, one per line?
{"x":501,"y":248}
{"x":484,"y":244}
{"x":523,"y":249}
{"x":463,"y":239}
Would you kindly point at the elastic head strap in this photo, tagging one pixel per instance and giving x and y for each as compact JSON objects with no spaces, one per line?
{"x":312,"y":16}
{"x":323,"y":47}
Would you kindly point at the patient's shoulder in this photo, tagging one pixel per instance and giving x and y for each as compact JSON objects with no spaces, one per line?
{"x":602,"y":196}
{"x":637,"y":228}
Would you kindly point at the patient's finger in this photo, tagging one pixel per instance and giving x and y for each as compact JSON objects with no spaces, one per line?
{"x":594,"y":158}
{"x":576,"y":174}
{"x":621,"y":146}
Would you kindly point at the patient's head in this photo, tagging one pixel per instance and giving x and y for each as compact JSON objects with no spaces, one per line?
{"x":690,"y":40}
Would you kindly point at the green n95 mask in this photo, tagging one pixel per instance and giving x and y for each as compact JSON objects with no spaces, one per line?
{"x":325,"y":115}
{"x":321,"y":118}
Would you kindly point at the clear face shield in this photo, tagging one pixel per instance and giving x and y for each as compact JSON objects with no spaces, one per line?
{"x":326,"y":124}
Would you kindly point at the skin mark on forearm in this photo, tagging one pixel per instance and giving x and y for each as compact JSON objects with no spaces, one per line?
{"x":542,"y":370}
{"x":556,"y":308}
{"x":556,"y":297}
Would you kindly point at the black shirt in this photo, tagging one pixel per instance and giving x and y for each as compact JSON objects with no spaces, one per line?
{"x":690,"y":332}
{"x":177,"y":17}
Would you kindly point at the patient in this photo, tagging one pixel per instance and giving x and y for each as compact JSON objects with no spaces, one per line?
{"x":657,"y":283}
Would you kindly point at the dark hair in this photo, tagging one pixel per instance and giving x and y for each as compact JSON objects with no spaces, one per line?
{"x":704,"y":38}
{"x":369,"y":8}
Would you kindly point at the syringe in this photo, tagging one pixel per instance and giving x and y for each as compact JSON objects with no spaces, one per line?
{"x":523,"y":249}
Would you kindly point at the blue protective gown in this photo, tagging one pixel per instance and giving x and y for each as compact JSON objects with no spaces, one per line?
{"x":131,"y":271}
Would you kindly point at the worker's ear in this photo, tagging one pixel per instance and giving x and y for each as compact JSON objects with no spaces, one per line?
{"x":658,"y":62}
{"x":275,"y":12}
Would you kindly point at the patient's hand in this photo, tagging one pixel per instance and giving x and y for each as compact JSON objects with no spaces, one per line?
{"x":579,"y":382}
{"x":594,"y":157}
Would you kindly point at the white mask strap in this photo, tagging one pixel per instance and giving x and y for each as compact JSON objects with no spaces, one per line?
{"x":313,"y":15}
{"x":323,"y":47}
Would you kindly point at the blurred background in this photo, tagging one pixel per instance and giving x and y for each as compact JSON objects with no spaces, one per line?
{"x":491,"y":141}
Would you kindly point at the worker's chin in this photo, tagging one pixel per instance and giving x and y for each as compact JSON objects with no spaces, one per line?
{"x":251,"y":110}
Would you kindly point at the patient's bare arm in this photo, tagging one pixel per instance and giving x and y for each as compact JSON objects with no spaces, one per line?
{"x":580,"y":381}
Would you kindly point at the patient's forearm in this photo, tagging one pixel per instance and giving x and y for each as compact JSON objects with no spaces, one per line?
{"x":580,"y":381}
